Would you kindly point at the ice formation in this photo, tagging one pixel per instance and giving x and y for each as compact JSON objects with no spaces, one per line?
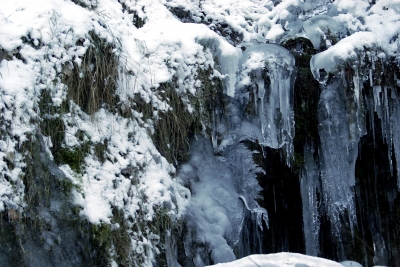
{"x":271,"y":70}
{"x":339,"y":149}
{"x":317,"y":27}
{"x":309,"y":190}
{"x":223,"y":188}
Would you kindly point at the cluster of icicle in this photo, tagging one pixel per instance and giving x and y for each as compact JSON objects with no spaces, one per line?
{"x":342,"y":114}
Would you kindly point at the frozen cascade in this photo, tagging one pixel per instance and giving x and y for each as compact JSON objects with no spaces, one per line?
{"x":362,"y":77}
{"x":350,"y":51}
{"x":271,"y":68}
{"x":223,"y":188}
{"x":309,"y":186}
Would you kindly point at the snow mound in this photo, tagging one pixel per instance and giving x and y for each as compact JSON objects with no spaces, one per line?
{"x":281,"y":259}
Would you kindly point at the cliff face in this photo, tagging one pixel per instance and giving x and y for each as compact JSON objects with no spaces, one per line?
{"x":168,"y":133}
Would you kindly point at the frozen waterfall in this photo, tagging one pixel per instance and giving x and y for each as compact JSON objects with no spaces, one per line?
{"x":269,"y":72}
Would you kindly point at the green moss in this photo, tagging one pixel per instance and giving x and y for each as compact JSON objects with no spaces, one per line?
{"x":101,"y":235}
{"x":73,"y":156}
{"x":101,"y":242}
{"x":121,"y":239}
{"x":51,"y":123}
{"x":92,"y":85}
{"x":161,"y":221}
{"x":306,"y":99}
{"x":173,"y":129}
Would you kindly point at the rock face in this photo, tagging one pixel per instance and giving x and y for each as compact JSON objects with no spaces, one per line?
{"x":188,"y":133}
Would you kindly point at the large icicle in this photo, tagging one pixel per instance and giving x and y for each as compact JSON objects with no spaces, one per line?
{"x":309,"y":187}
{"x":272,"y":69}
{"x":338,"y":153}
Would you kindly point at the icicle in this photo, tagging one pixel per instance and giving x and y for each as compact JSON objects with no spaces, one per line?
{"x":371,"y":81}
{"x":309,"y":186}
{"x":214,"y":138}
{"x":395,"y":125}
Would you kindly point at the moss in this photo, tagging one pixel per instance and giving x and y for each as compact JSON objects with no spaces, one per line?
{"x":208,"y":97}
{"x":174,"y":127}
{"x":73,"y":156}
{"x":121,"y":239}
{"x":51,"y":124}
{"x":161,"y":221}
{"x":37,"y":189}
{"x":306,"y":99}
{"x":101,"y":242}
{"x":93,"y":84}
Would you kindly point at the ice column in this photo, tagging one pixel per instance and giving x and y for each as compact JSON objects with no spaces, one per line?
{"x":387,"y":107}
{"x":338,"y":153}
{"x":309,"y":186}
{"x":395,"y":123}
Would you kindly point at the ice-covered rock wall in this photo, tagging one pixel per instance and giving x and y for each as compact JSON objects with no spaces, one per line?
{"x":159,"y":121}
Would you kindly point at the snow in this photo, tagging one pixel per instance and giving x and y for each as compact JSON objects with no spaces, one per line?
{"x":281,"y":259}
{"x":346,"y":51}
{"x":318,"y":26}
